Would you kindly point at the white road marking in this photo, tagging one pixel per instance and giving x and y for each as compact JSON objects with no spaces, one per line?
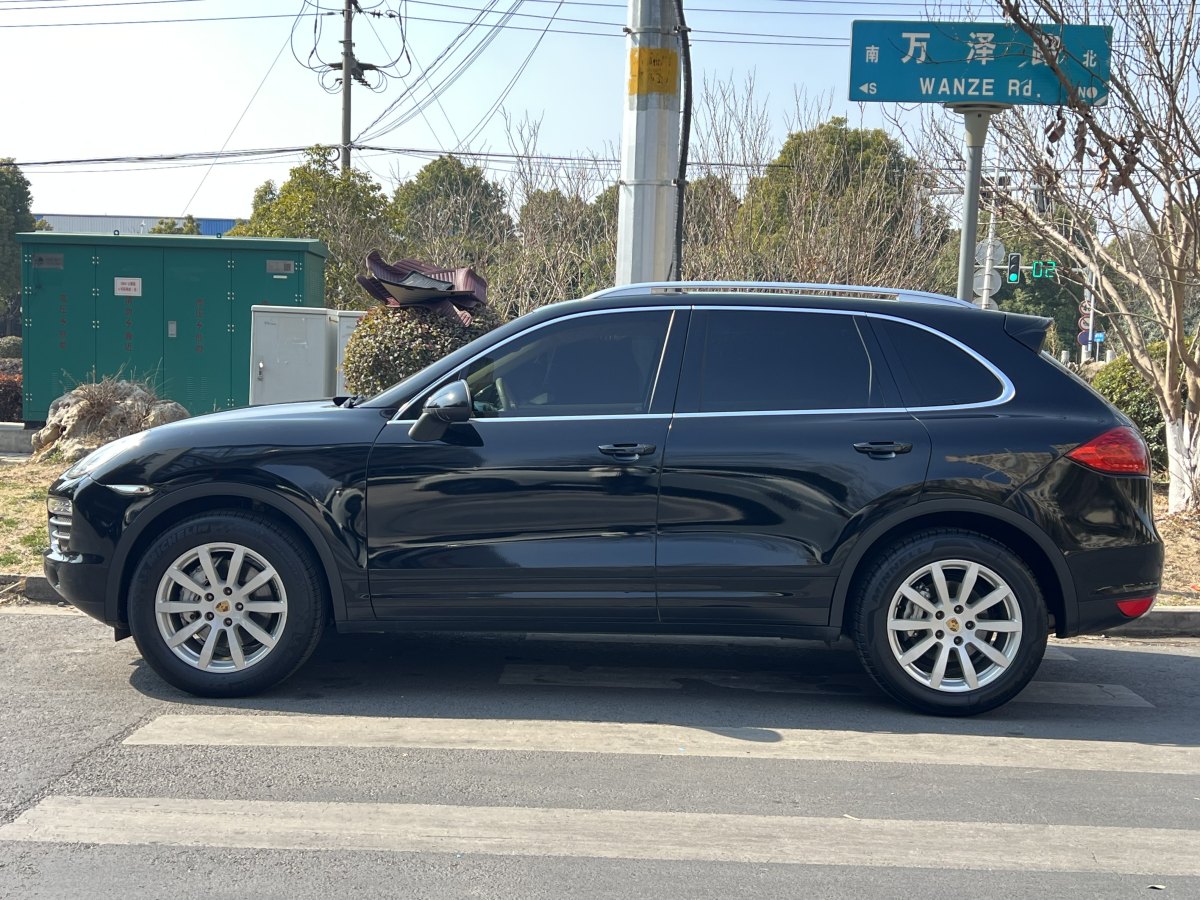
{"x":1064,"y":692}
{"x":554,"y":736}
{"x":608,"y":834}
{"x":37,"y":609}
{"x":1058,"y":654}
{"x":1073,"y":693}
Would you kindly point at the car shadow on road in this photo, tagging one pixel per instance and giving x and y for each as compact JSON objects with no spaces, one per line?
{"x":742,"y":689}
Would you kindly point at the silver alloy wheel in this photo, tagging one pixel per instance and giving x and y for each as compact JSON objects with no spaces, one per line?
{"x":954,"y":626}
{"x":221,"y":607}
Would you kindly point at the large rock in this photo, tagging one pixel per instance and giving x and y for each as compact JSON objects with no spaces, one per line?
{"x":95,"y":414}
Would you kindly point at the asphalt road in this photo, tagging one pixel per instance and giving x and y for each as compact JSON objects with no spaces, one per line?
{"x":547,"y":766}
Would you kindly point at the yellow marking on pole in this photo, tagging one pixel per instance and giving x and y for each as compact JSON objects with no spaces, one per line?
{"x":653,"y":70}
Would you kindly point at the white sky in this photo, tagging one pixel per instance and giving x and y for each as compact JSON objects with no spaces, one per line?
{"x":131,"y":89}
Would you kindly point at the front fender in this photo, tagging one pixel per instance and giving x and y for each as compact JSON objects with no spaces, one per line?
{"x":349,"y":595}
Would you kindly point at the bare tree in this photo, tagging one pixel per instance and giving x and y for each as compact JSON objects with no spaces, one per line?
{"x":1116,"y":189}
{"x":833,"y":204}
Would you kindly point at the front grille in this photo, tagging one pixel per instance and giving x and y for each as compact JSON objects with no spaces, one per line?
{"x":60,"y":532}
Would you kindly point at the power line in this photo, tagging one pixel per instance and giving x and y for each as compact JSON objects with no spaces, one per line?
{"x":456,"y":72}
{"x":157,"y":21}
{"x":229,"y":137}
{"x":487,"y":117}
{"x":949,"y":167}
{"x":779,"y":40}
{"x":91,"y":5}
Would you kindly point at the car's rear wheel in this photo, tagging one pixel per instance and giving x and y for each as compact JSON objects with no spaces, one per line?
{"x":950,"y":622}
{"x":226,"y":604}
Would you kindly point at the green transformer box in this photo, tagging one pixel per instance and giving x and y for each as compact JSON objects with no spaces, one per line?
{"x":170,"y":310}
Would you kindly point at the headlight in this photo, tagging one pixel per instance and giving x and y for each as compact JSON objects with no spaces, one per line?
{"x":59,"y":506}
{"x":99,"y":457}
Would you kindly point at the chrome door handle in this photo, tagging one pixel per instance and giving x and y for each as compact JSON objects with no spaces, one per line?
{"x":882,"y":449}
{"x":627,"y":452}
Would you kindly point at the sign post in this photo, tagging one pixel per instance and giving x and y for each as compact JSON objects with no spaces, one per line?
{"x":976,"y":69}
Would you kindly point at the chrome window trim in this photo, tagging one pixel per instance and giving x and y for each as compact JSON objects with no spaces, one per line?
{"x":1007,"y":393}
{"x":538,"y":327}
{"x":611,"y":418}
{"x":1007,"y":390}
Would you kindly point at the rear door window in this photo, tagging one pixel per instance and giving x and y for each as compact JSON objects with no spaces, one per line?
{"x":762,"y":360}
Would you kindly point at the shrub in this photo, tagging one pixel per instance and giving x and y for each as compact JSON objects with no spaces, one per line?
{"x":390,"y":344}
{"x":10,"y":347}
{"x":11,"y":409}
{"x":1120,"y":382}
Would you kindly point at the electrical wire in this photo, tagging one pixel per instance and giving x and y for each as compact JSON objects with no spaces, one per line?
{"x":229,"y":137}
{"x":155,"y":21}
{"x":456,"y":72}
{"x":495,"y":107}
{"x":405,"y":53}
{"x":685,"y":132}
{"x":91,"y":5}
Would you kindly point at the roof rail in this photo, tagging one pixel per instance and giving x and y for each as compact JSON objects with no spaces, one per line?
{"x":778,"y":287}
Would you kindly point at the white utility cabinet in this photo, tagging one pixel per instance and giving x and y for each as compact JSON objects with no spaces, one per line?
{"x":347,"y":321}
{"x":293,"y":354}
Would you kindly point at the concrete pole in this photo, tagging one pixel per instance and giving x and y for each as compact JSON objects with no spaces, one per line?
{"x":649,"y":144}
{"x":347,"y":73}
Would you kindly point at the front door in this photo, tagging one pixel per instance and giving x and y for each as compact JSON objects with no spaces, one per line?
{"x":543,"y":506}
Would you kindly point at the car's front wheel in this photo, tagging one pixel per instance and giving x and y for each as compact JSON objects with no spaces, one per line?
{"x":226,"y":604}
{"x":950,"y":622}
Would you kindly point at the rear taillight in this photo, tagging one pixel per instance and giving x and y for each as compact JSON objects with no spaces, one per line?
{"x":1136,"y":607}
{"x":1117,"y":452}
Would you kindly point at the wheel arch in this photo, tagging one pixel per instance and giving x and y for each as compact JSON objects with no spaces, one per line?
{"x":1009,"y":528}
{"x":198,"y":499}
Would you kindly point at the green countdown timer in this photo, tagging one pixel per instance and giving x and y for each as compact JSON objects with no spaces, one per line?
{"x":1043,"y":268}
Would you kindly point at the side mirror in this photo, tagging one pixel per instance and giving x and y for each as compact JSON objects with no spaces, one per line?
{"x":447,"y":406}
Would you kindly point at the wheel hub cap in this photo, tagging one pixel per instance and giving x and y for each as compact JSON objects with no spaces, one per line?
{"x":954,"y":626}
{"x":233,"y":633}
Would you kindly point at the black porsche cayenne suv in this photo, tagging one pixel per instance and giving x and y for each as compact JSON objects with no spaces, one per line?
{"x":717,"y":458}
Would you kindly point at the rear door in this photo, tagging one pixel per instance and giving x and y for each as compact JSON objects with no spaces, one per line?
{"x":788,"y":436}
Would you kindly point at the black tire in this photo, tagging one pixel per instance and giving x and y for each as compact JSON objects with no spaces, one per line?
{"x":295,"y":595}
{"x":893,"y":657}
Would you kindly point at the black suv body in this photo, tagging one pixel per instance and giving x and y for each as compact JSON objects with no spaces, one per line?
{"x":683,"y":458}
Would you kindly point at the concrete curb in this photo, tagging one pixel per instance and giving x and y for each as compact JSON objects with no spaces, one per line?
{"x":35,"y":587}
{"x":1162,"y":621}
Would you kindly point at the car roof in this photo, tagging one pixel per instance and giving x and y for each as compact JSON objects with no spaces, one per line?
{"x":778,"y":289}
{"x":903,"y":303}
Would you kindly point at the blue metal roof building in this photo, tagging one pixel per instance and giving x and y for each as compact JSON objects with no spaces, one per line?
{"x":77,"y":224}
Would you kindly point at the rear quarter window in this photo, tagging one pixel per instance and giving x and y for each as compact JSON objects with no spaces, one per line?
{"x":932,"y":371}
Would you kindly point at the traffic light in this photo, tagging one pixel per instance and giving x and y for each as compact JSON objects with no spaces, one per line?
{"x":1014,"y":268}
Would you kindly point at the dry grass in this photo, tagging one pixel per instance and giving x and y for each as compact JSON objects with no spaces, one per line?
{"x":23,"y":535}
{"x":1181,"y":537}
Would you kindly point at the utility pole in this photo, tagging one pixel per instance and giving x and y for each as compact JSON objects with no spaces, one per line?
{"x":347,"y":73}
{"x":649,"y":144}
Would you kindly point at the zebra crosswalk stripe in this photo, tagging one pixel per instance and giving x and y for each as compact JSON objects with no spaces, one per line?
{"x":557,"y":736}
{"x":613,"y":834}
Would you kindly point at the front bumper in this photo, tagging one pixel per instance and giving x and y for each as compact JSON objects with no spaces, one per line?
{"x":79,"y":566}
{"x":79,"y":582}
